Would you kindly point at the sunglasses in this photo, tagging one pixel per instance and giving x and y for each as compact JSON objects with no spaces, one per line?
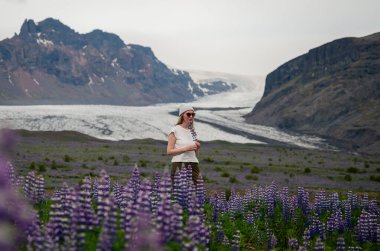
{"x":190,"y":114}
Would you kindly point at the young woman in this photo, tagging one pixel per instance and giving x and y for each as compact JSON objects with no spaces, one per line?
{"x":183,"y":144}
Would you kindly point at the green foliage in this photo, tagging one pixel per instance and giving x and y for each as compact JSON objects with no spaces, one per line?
{"x":307,"y":170}
{"x":218,"y":169}
{"x":375,"y":178}
{"x":143,"y":163}
{"x":41,"y":167}
{"x":233,"y":179}
{"x":32,"y":166}
{"x":225,"y":175}
{"x":255,"y":169}
{"x":352,"y":170}
{"x":126,"y":158}
{"x":53,"y":165}
{"x":348,"y":177}
{"x":43,"y":209}
{"x":67,"y":158}
{"x":251,"y":177}
{"x":209,"y":160}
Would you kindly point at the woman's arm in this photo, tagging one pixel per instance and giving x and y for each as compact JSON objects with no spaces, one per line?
{"x":170,"y":150}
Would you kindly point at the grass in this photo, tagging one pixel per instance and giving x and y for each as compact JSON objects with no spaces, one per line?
{"x":70,"y":154}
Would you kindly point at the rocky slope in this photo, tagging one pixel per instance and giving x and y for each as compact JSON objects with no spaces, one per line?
{"x":332,"y":91}
{"x":50,"y":63}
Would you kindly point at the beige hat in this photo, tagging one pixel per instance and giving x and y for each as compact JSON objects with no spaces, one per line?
{"x":184,"y":108}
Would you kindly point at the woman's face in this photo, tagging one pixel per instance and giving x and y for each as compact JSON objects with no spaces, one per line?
{"x":188,"y":116}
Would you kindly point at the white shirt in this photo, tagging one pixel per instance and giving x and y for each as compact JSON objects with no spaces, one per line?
{"x":183,"y":138}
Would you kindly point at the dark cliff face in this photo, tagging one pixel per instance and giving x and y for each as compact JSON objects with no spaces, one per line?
{"x":332,"y":91}
{"x":49,"y":63}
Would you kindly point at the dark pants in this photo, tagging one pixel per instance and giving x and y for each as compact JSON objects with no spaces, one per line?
{"x":179,"y":165}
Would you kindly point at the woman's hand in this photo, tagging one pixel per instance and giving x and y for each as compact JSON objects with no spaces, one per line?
{"x":198,"y":145}
{"x":192,"y":147}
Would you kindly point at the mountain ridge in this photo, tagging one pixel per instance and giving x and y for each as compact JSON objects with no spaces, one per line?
{"x":50,"y":63}
{"x":332,"y":91}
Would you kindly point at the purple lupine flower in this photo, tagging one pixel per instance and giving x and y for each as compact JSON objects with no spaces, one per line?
{"x":201,"y":191}
{"x":135,"y":182}
{"x":40,"y":188}
{"x":192,"y":230}
{"x":250,"y":218}
{"x":95,"y":190}
{"x":143,"y":202}
{"x":165,"y":186}
{"x":58,"y":225}
{"x":303,"y":200}
{"x":284,"y":196}
{"x":320,"y":202}
{"x":273,"y":241}
{"x":270,"y":199}
{"x":108,"y":230}
{"x":235,"y":243}
{"x":34,"y":235}
{"x":373,"y":207}
{"x":340,"y":244}
{"x":373,"y":226}
{"x":317,"y":227}
{"x":11,"y":173}
{"x":177,"y":188}
{"x":146,"y":238}
{"x":83,"y":215}
{"x":103,"y":195}
{"x":225,"y":241}
{"x":362,"y":228}
{"x":347,"y":214}
{"x":69,"y":200}
{"x":214,"y":203}
{"x":235,"y":204}
{"x":128,"y":222}
{"x":334,"y":201}
{"x":364,"y":201}
{"x":269,"y":233}
{"x":306,"y":238}
{"x":319,"y":246}
{"x":335,"y":222}
{"x":195,"y":207}
{"x":29,"y":186}
{"x":116,"y":191}
{"x":163,"y":219}
{"x":88,"y":216}
{"x":190,"y":187}
{"x":176,"y":223}
{"x":54,"y":226}
{"x":220,"y":235}
{"x":293,"y":244}
{"x":155,"y":192}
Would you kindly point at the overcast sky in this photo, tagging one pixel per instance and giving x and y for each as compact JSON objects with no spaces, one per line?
{"x":235,"y":36}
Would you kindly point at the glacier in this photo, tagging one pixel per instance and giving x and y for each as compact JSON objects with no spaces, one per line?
{"x":219,"y":117}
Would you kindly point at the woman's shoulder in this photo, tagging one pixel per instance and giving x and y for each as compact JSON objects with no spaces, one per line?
{"x":175,"y":128}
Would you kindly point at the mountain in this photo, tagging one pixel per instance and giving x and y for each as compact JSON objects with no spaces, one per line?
{"x":332,"y":91}
{"x":50,"y":63}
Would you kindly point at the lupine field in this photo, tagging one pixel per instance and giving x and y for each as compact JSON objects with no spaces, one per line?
{"x":101,"y":214}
